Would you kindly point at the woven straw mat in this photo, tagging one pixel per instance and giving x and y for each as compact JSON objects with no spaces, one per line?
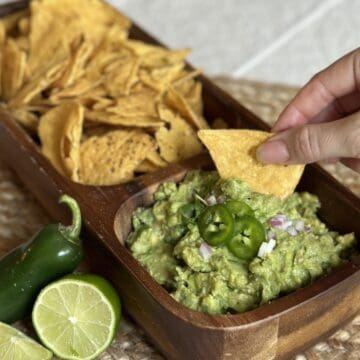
{"x":21,"y":216}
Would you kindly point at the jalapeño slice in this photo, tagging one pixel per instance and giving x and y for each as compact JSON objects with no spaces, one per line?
{"x":239,"y":208}
{"x":249,"y":233}
{"x":216,"y":224}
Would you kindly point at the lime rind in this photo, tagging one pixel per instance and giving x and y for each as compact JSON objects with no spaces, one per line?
{"x":16,"y":345}
{"x":75,"y":325}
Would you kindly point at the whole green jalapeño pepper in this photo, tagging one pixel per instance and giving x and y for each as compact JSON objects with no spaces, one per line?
{"x":53,"y":252}
{"x":216,"y":224}
{"x":249,"y":233}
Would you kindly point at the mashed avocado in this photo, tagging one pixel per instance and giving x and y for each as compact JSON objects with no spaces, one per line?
{"x":169,"y":245}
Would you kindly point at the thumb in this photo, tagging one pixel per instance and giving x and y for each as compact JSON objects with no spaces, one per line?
{"x":313,"y":142}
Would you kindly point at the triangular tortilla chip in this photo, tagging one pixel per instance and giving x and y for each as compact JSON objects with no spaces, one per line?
{"x":146,"y":166}
{"x":26,"y":118}
{"x":13,"y":69}
{"x":178,"y":140}
{"x":75,"y":69}
{"x":160,"y":78}
{"x":233,"y":152}
{"x":10,"y":22}
{"x":179,"y":103}
{"x":121,"y":76}
{"x":137,"y":104}
{"x":70,"y":144}
{"x":113,"y":157}
{"x":60,"y":132}
{"x":104,"y":117}
{"x":42,"y":79}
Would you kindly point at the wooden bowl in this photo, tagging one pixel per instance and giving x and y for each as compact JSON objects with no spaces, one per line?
{"x":276,"y":330}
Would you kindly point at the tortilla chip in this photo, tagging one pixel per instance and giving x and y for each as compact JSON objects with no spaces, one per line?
{"x":156,"y":56}
{"x":121,"y":76}
{"x":152,"y":162}
{"x":185,"y":80}
{"x":26,"y":118}
{"x":138,"y":104}
{"x":23,"y":43}
{"x":2,"y":33}
{"x":114,"y":119}
{"x":160,"y":78}
{"x":70,"y":144}
{"x":60,"y":133}
{"x":80,"y":55}
{"x":13,"y":69}
{"x":102,"y":103}
{"x":155,"y":158}
{"x":179,"y":141}
{"x":233,"y":152}
{"x":194,"y":98}
{"x":146,"y":166}
{"x":41,"y":80}
{"x":79,"y":88}
{"x":179,"y":103}
{"x":24,"y":26}
{"x":39,"y":109}
{"x":10,"y":22}
{"x":113,"y":158}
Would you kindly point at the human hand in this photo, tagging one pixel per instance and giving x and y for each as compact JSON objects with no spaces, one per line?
{"x":322,"y":122}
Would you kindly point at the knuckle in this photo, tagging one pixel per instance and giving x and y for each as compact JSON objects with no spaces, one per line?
{"x":356,"y":65}
{"x":306,"y":145}
{"x":354,"y":139}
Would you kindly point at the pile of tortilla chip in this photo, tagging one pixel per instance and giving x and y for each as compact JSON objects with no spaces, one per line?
{"x":104,"y":107}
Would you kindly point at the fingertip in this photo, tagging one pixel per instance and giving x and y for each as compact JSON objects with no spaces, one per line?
{"x":272,"y":152}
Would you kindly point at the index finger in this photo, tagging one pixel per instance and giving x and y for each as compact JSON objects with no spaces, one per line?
{"x":322,"y":92}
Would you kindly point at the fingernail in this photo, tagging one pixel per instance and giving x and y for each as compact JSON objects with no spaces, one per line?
{"x":273,"y":152}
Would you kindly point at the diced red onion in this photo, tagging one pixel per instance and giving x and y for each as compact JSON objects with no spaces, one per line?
{"x":205,"y":251}
{"x":262,"y":250}
{"x":266,"y":248}
{"x":280,"y":221}
{"x":299,"y":225}
{"x":277,"y":220}
{"x":211,"y":200}
{"x":292,"y":231}
{"x":221,"y":199}
{"x":271,"y":245}
{"x":276,"y":223}
{"x":286,"y":224}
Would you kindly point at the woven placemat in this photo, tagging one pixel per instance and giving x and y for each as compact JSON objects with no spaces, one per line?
{"x":21,"y":216}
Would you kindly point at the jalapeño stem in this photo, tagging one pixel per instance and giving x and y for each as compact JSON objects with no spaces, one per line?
{"x":71,"y":232}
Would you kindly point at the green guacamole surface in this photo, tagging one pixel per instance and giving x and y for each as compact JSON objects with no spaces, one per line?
{"x":168,"y":247}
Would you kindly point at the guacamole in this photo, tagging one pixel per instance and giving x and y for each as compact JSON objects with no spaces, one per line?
{"x":297,"y":247}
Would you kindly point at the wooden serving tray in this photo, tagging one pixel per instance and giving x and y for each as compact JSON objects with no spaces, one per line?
{"x":276,"y":330}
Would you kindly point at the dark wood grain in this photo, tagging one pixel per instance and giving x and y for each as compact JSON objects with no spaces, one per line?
{"x":276,"y":330}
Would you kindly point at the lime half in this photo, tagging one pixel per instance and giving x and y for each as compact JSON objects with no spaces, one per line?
{"x":16,"y":345}
{"x":77,"y":316}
